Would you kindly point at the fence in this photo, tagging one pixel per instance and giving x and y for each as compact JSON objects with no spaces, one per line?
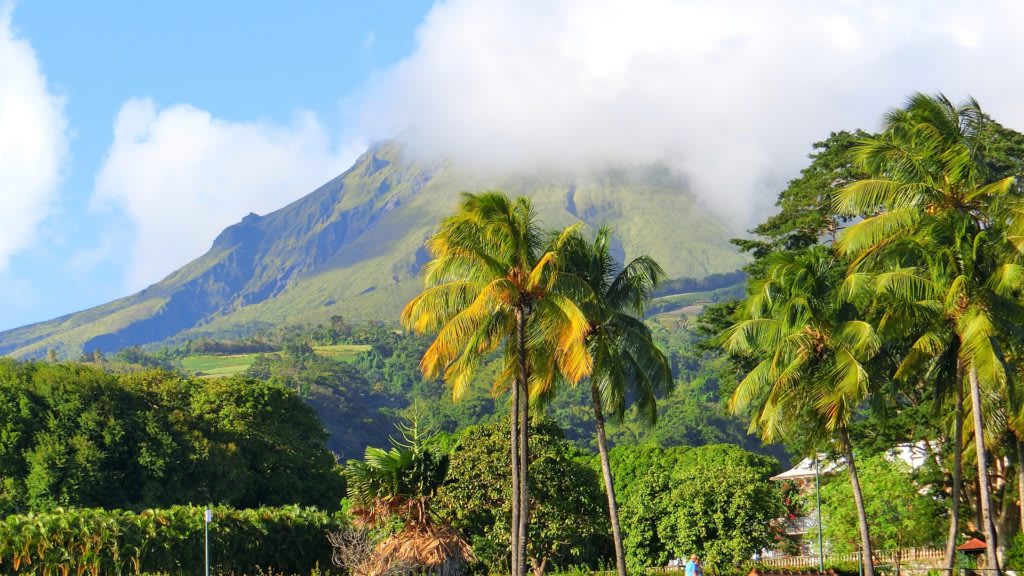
{"x":919,"y":556}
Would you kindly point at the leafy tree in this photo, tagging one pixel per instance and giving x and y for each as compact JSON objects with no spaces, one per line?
{"x":72,"y":435}
{"x":252,"y":458}
{"x":627,"y":362}
{"x":643,"y":477}
{"x":568,"y":522}
{"x":716,"y":500}
{"x":721,"y":505}
{"x":489,"y":285}
{"x":900,"y":516}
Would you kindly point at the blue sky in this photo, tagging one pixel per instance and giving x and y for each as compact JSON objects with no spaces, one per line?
{"x":253,"y":61}
{"x":131,"y":133}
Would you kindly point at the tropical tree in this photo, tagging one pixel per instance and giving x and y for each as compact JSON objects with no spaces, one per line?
{"x":627,"y":362}
{"x":490,"y":284}
{"x":567,"y":526}
{"x":725,"y":517}
{"x":942,"y":227}
{"x":802,"y":326}
{"x":402,"y":483}
{"x":901,"y":517}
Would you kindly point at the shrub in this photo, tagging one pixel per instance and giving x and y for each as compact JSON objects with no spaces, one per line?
{"x":95,"y":541}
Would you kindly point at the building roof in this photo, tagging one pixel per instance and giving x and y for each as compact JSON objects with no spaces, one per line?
{"x":913,"y":455}
{"x":972,"y":545}
{"x":805,"y":469}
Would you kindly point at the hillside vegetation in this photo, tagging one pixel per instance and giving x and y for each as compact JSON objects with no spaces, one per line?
{"x":354,"y":246}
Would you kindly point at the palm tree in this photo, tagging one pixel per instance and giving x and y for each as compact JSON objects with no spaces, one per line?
{"x":802,"y":326}
{"x":402,"y":482}
{"x":491,"y":285}
{"x":948,"y":232}
{"x":627,"y":362}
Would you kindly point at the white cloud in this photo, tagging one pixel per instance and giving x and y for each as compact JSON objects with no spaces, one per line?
{"x":32,"y":142}
{"x":182,"y":175}
{"x":732,"y":92}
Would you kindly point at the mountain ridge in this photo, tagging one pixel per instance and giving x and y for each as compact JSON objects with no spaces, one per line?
{"x":354,"y":246}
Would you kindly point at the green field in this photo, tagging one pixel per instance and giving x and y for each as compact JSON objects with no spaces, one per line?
{"x":211,"y":365}
{"x":217,"y":365}
{"x":346,"y":352}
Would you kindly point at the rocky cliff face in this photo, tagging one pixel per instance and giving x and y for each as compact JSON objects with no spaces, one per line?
{"x":355,"y":245}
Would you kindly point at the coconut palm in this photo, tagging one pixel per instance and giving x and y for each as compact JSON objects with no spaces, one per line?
{"x":627,"y":362}
{"x":489,"y":285}
{"x":946,"y":232}
{"x":802,"y":326}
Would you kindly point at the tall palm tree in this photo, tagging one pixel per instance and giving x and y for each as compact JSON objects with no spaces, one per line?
{"x":627,"y":362}
{"x":953,"y":232}
{"x":802,"y":326}
{"x":489,"y":285}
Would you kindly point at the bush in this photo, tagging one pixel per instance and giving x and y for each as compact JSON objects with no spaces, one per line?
{"x":290,"y":540}
{"x":1015,"y":553}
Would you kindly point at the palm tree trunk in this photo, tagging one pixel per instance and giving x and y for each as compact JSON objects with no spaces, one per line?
{"x":524,"y":442}
{"x":609,"y":487}
{"x":514,"y":540}
{"x":524,"y":487}
{"x":984,"y":498}
{"x":1020,"y":481}
{"x":858,"y":498}
{"x":958,"y":464}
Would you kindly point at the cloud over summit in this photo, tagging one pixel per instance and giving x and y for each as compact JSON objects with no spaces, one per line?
{"x":731,"y":93}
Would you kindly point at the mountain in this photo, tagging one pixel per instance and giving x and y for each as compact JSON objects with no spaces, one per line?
{"x":355,"y":246}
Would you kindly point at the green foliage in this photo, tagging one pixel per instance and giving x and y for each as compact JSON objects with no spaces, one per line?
{"x":626,"y":360}
{"x":350,"y":406}
{"x":899,"y":515}
{"x":642,"y":482}
{"x":72,"y":435}
{"x":716,"y":501}
{"x":406,"y":476}
{"x":568,"y":521}
{"x":1014,"y":559}
{"x":94,"y":541}
{"x":722,"y":503}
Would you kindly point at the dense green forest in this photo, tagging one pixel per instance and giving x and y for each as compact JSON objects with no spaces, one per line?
{"x":360,"y":395}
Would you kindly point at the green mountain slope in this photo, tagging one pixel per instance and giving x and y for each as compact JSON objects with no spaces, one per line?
{"x":355,"y":246}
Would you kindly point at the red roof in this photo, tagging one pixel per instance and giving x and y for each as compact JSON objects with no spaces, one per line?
{"x":972,"y":545}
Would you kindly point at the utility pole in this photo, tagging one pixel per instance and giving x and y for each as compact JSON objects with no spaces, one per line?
{"x":817,"y":493}
{"x":207,"y":518}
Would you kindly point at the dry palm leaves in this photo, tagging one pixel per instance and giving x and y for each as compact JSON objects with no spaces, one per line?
{"x":422,"y":547}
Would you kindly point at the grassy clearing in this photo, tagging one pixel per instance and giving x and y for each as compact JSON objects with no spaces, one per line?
{"x":227,"y":365}
{"x":211,"y":365}
{"x":346,"y":352}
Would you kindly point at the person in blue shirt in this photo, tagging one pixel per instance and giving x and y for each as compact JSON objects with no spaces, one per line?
{"x":693,"y":567}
